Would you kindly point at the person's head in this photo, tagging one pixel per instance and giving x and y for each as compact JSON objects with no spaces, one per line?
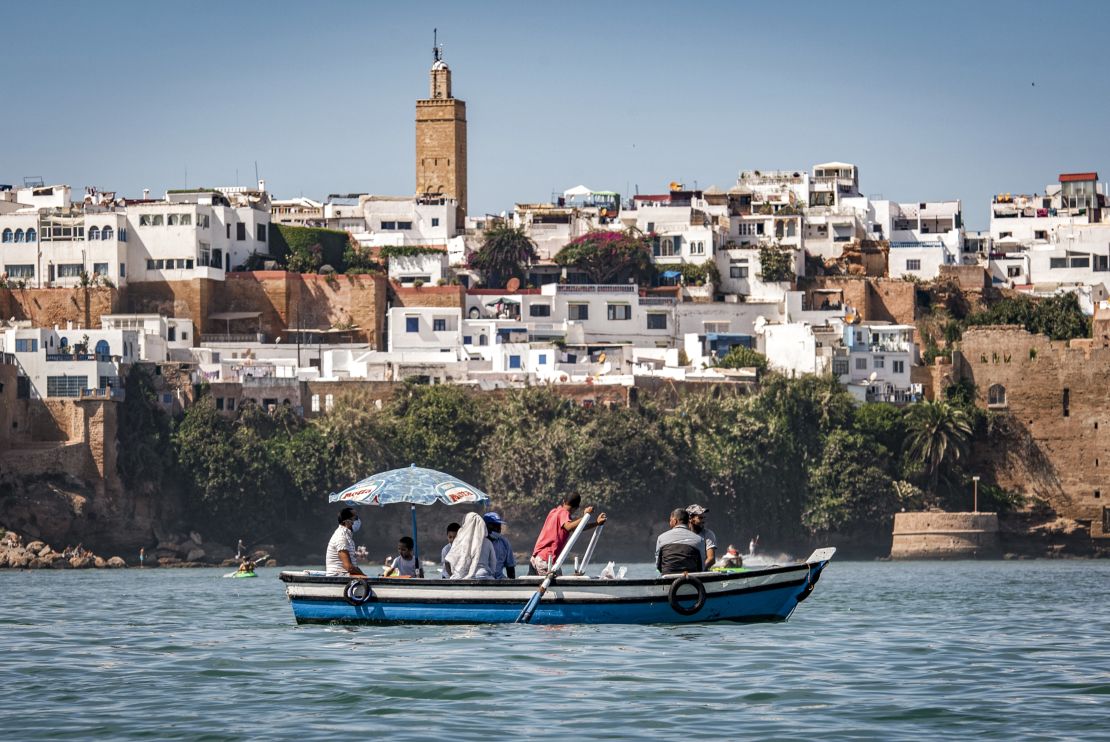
{"x":348,"y":517}
{"x":697,"y":516}
{"x":493,"y":522}
{"x":573,"y":501}
{"x":679,"y":517}
{"x":452,"y":531}
{"x":405,"y":546}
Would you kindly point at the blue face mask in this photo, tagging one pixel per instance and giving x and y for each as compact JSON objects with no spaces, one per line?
{"x":356,"y":524}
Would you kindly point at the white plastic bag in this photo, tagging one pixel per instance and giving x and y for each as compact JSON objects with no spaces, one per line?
{"x":609,"y":573}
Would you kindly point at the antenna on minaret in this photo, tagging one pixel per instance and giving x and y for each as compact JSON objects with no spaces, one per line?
{"x":437,"y":50}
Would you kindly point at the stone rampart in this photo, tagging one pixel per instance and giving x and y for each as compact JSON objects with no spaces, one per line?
{"x":49,"y":307}
{"x":881,"y":299}
{"x":945,"y":536}
{"x":1051,"y":403}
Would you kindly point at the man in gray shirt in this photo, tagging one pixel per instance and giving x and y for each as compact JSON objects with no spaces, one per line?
{"x":679,"y":549}
{"x":697,"y":525}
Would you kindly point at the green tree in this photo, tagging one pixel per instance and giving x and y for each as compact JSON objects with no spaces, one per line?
{"x":883,"y":423}
{"x":1059,"y":316}
{"x":937,"y":437}
{"x":143,"y":433}
{"x":441,"y":427}
{"x":506,"y":253}
{"x":776,"y":263}
{"x":741,"y":356}
{"x":850,"y":489}
{"x":610,"y":257}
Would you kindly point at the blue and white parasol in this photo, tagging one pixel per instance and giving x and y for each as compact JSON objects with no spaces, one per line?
{"x":413,"y":485}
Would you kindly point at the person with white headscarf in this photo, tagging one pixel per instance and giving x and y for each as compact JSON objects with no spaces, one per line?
{"x":472,"y":556}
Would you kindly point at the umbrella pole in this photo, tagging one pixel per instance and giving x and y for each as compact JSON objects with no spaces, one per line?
{"x":416,"y":545}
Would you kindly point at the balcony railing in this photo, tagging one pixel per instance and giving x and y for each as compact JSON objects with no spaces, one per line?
{"x":657,"y":301}
{"x":254,"y":337}
{"x":597,"y":288}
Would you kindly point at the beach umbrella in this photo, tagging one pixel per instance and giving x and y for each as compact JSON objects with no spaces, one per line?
{"x":414,"y":485}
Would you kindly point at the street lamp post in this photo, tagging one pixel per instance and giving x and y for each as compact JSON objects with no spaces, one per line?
{"x":975,"y":493}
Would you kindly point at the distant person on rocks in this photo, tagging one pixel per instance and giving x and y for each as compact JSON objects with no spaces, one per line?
{"x":404,"y":564}
{"x":340,"y":559}
{"x":240,"y":550}
{"x":142,"y":555}
{"x":679,"y":549}
{"x":698,"y":526}
{"x":752,"y":544}
{"x":556,"y":532}
{"x":503,"y":550}
{"x":452,"y":531}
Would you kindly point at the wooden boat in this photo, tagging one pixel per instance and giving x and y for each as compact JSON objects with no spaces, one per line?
{"x":760,"y":594}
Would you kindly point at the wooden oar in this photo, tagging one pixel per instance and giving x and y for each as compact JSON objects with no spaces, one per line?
{"x":526,"y":614}
{"x":580,"y":569}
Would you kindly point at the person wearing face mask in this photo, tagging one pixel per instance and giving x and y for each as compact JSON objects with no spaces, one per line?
{"x":340,"y":558}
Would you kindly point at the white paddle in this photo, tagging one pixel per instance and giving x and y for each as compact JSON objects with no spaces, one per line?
{"x":580,"y":569}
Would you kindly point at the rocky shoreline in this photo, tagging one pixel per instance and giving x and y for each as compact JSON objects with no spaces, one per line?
{"x":14,"y":554}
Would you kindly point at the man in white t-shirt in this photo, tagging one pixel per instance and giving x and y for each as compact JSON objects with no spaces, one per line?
{"x":698,"y":526}
{"x":340,"y":559}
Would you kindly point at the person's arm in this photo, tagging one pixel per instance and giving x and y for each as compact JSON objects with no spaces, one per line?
{"x":570,"y":525}
{"x":658,"y":557}
{"x":710,"y":556}
{"x":510,"y":573}
{"x":349,"y":564}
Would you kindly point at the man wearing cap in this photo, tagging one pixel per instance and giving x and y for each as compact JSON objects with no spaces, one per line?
{"x":697,"y":525}
{"x":506,"y":562}
{"x":679,"y":549}
{"x":340,"y":559}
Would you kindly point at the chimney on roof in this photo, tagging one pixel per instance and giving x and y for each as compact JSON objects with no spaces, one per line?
{"x":262,"y":185}
{"x":146,"y":193}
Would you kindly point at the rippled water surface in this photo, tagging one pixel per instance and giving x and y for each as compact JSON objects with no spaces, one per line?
{"x":997,"y":650}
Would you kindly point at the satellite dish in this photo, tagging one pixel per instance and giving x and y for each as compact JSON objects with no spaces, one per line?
{"x":874,"y":375}
{"x":513,"y":285}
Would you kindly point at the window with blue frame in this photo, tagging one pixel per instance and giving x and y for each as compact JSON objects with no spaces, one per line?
{"x":514,"y":361}
{"x":26,"y":346}
{"x":543,"y":359}
{"x":412,"y":324}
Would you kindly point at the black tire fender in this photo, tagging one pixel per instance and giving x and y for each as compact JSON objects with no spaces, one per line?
{"x":358,"y":592}
{"x":672,"y":595}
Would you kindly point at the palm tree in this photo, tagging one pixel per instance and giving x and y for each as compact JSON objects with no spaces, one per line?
{"x":506,"y":252}
{"x":938,"y":435}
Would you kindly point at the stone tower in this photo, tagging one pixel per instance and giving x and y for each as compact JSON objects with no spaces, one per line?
{"x":441,"y":140}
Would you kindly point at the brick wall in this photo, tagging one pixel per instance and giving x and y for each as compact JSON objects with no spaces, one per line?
{"x":187,"y":299}
{"x":427,"y":296}
{"x":8,"y":374}
{"x":1055,"y":420}
{"x":882,"y":299}
{"x":49,"y":307}
{"x":967,"y":277}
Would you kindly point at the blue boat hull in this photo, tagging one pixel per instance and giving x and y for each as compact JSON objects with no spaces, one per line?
{"x":759,"y":595}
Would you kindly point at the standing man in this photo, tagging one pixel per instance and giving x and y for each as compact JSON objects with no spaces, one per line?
{"x":697,"y":525}
{"x":679,"y":549}
{"x":340,"y":559}
{"x":556,"y":532}
{"x":502,"y":549}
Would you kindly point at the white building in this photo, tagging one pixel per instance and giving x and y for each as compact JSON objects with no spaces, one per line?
{"x":70,"y":362}
{"x":197,"y":233}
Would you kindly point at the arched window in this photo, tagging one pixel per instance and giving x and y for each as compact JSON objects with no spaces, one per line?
{"x":102,"y":349}
{"x":94,"y":233}
{"x":106,"y":234}
{"x":7,"y":236}
{"x":63,"y":342}
{"x":32,"y":236}
{"x":19,"y":235}
{"x":483,"y":340}
{"x":996,"y":396}
{"x":172,"y":220}
{"x":668,"y":247}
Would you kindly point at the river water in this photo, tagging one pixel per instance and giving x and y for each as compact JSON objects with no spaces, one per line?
{"x":999,"y":650}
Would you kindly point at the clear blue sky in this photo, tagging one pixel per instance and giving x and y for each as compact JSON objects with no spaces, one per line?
{"x":932,"y":100}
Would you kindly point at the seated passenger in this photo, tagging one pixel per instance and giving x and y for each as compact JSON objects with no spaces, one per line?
{"x":472,"y":556}
{"x":404,"y":564}
{"x":679,"y":549}
{"x":452,"y":531}
{"x":340,"y":559}
{"x":506,"y":562}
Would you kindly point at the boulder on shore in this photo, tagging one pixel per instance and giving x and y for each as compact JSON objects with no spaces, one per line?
{"x":194,"y":555}
{"x":35,"y":547}
{"x":116,"y":562}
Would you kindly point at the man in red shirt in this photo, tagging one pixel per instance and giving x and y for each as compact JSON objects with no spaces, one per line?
{"x":556,"y":532}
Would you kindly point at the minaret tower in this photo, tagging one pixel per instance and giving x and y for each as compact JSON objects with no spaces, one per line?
{"x":441,"y":138}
